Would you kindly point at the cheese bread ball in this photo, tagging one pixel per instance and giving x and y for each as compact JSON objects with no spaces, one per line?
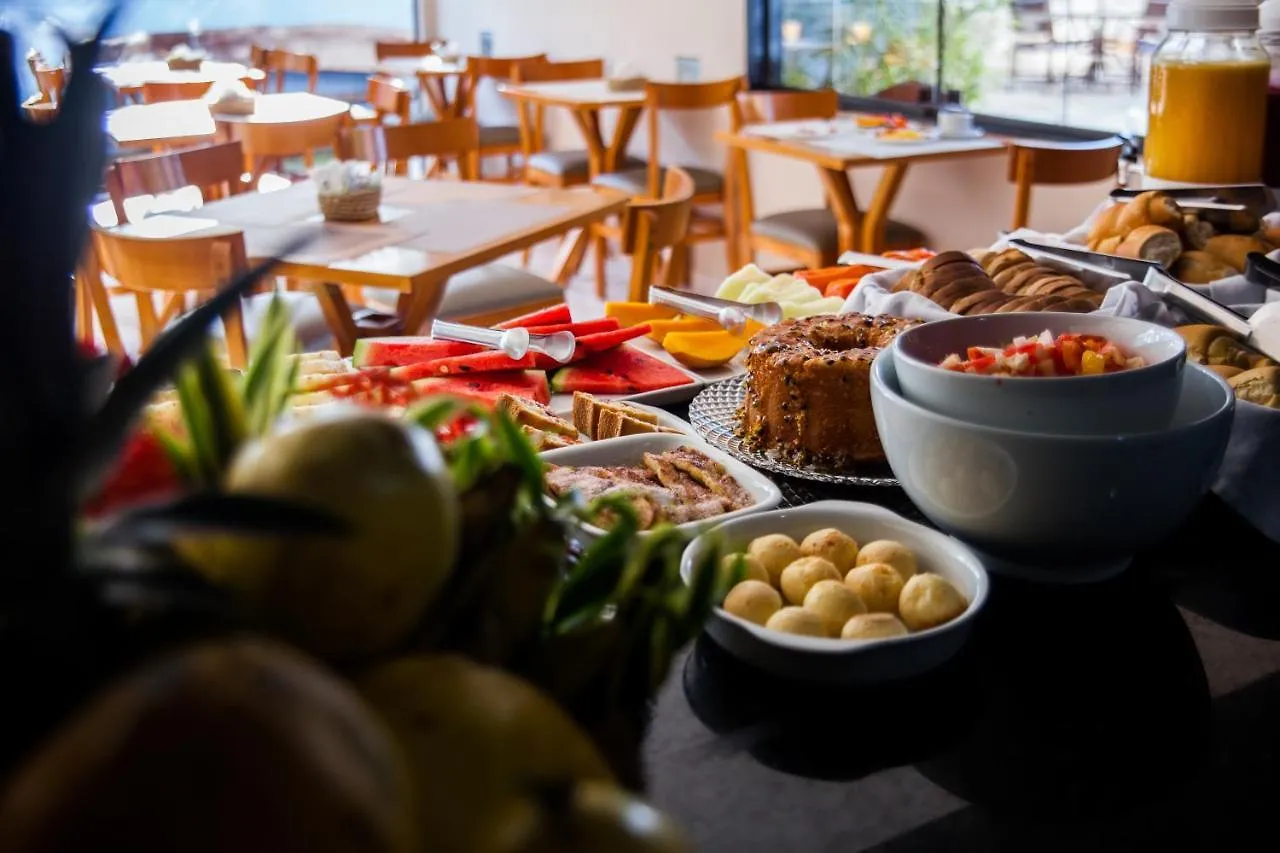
{"x":878,"y":585}
{"x":833,"y":603}
{"x":930,"y":600}
{"x":831,"y":545}
{"x":796,"y":620}
{"x":799,"y":577}
{"x":775,"y":552}
{"x":893,"y":553}
{"x":873,"y":626}
{"x":752,"y":570}
{"x":754,"y":601}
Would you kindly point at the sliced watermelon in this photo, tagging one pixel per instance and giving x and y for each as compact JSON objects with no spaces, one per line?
{"x":490,"y":361}
{"x":553,"y":316}
{"x":608,"y":340}
{"x":394,"y":352}
{"x":487,"y":388}
{"x":587,"y":327}
{"x":622,"y":370}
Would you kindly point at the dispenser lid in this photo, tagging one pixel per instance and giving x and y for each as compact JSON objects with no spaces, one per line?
{"x":1210,"y":15}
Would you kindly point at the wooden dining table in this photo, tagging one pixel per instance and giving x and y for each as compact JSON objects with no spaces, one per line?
{"x":174,"y":123}
{"x":128,"y":78}
{"x":444,"y":83}
{"x":426,"y":232}
{"x":838,"y":146}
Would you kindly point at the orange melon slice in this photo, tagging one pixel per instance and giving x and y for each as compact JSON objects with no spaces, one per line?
{"x":659,"y":329}
{"x":634,"y":313}
{"x":702,"y":350}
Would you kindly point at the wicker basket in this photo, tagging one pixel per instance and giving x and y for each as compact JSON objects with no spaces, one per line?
{"x":184,"y":63}
{"x":358,"y":206}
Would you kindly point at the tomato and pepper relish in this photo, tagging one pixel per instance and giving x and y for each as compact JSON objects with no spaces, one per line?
{"x":1045,"y":355}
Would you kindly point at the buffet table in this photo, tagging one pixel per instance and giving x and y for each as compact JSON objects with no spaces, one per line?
{"x":1131,"y":714}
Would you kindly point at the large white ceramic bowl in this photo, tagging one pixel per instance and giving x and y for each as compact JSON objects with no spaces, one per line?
{"x":846,"y":661}
{"x":631,"y":450}
{"x":1138,"y":400}
{"x":1054,"y":507}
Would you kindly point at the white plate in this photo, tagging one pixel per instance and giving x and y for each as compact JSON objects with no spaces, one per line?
{"x":847,"y":661}
{"x":630,"y":451}
{"x":665,"y":419}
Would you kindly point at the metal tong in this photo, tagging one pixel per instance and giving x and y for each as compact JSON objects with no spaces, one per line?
{"x":1110,"y":266}
{"x":1199,"y":305}
{"x":1255,"y":197}
{"x":516,"y":343}
{"x":731,"y":315}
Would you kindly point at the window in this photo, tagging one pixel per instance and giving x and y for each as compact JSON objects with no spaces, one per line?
{"x":1067,"y":63}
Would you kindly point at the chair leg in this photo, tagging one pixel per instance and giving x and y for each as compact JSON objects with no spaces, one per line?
{"x":600,"y":245}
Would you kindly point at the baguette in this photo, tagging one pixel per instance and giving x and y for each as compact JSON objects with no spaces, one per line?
{"x":1260,"y":385}
{"x":1109,"y":246}
{"x":1007,"y":259}
{"x":1197,"y":267}
{"x":1208,"y":344}
{"x":1152,"y":243}
{"x":1149,"y":208}
{"x":974,"y":301}
{"x":1195,"y":231}
{"x":1234,"y":249}
{"x":1018,"y":303}
{"x":1106,"y":224}
{"x":1003,"y":278}
{"x":947,"y":296}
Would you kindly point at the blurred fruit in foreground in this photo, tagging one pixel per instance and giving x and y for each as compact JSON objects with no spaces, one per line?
{"x":479,"y":744}
{"x":239,"y":746}
{"x":589,"y":817}
{"x":344,"y":598}
{"x":144,"y":474}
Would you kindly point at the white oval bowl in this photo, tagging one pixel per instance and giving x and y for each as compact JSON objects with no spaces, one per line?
{"x":631,"y":450}
{"x":1142,"y":399}
{"x":846,"y":661}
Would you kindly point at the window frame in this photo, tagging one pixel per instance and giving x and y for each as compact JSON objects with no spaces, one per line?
{"x":764,"y":69}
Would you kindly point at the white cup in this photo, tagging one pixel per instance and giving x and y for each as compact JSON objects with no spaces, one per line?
{"x":955,"y":123}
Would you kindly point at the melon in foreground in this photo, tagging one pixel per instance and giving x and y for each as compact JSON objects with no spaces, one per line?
{"x":397,"y":352}
{"x":618,"y":371}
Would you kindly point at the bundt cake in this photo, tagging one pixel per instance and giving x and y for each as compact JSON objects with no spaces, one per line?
{"x":808,"y":389}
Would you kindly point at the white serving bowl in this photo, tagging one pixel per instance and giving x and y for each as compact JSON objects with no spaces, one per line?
{"x":846,"y":661}
{"x":1054,"y":507}
{"x":631,"y":451}
{"x":1138,"y":400}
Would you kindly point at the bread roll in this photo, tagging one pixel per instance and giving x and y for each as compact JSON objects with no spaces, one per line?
{"x":1261,"y":385}
{"x":1201,"y":268}
{"x":1234,"y":249}
{"x":1208,"y":344}
{"x":1149,"y":208}
{"x":1232,"y":221}
{"x":1105,"y":225}
{"x":1195,"y":231}
{"x":1270,"y":234}
{"x":1109,"y":246}
{"x":1152,"y":243}
{"x":1226,"y":371}
{"x":943,"y":259}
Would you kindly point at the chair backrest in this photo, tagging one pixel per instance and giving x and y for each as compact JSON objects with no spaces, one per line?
{"x":489,"y":68}
{"x":50,"y":82}
{"x":389,"y":97}
{"x":651,"y":226}
{"x":259,"y":57}
{"x":664,"y":97}
{"x":176,"y":267}
{"x":283,"y":62}
{"x":911,"y":92}
{"x":547,"y":72}
{"x":403,"y":49}
{"x":215,"y":169}
{"x":1044,"y":163}
{"x":290,"y":139}
{"x":156,"y":92}
{"x":394,"y":146}
{"x":785,"y":105}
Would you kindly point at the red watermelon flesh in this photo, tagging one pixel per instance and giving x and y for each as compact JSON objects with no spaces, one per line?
{"x":394,"y":352}
{"x":488,"y":387}
{"x":608,"y":340}
{"x":555,"y":315}
{"x":489,"y":361}
{"x":587,"y":327}
{"x":621,"y":370}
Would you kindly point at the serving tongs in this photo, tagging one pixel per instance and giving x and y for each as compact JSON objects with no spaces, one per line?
{"x":516,"y":343}
{"x":732,"y":316}
{"x":1257,"y":198}
{"x":1263,"y":271}
{"x":1109,"y":266}
{"x":1200,"y":305}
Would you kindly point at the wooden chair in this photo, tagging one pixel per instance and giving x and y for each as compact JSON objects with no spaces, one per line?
{"x":1046,"y":163}
{"x":283,"y":62}
{"x":393,"y":147}
{"x":50,"y":82}
{"x":555,"y":168}
{"x":709,"y":186}
{"x":216,"y":169}
{"x":174,"y":268}
{"x":403,"y":49}
{"x":269,"y":143}
{"x":498,"y":140}
{"x":387,"y":96}
{"x":156,"y":92}
{"x":650,"y":227}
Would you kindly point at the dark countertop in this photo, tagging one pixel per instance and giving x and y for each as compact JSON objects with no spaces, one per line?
{"x":1139,"y":713}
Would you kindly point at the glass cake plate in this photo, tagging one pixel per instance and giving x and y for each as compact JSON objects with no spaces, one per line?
{"x":714,"y":416}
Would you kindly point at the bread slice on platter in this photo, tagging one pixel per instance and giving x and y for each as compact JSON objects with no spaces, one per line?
{"x":587,"y":411}
{"x":528,"y":413}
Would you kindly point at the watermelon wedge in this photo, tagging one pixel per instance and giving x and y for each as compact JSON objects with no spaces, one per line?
{"x":602,"y":341}
{"x":394,"y":352}
{"x":622,"y":370}
{"x":553,"y":316}
{"x":489,"y":361}
{"x":586,"y":327}
{"x":487,"y":388}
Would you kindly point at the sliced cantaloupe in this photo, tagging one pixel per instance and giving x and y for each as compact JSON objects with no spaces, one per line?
{"x":659,"y":329}
{"x":634,"y":313}
{"x":701,"y":350}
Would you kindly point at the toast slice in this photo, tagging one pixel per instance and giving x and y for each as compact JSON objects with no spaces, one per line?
{"x":587,"y":411}
{"x":544,"y":440}
{"x":615,"y":424}
{"x":528,"y":413}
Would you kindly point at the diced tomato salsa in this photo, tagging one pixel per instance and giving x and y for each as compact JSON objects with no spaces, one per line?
{"x":1045,"y":355}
